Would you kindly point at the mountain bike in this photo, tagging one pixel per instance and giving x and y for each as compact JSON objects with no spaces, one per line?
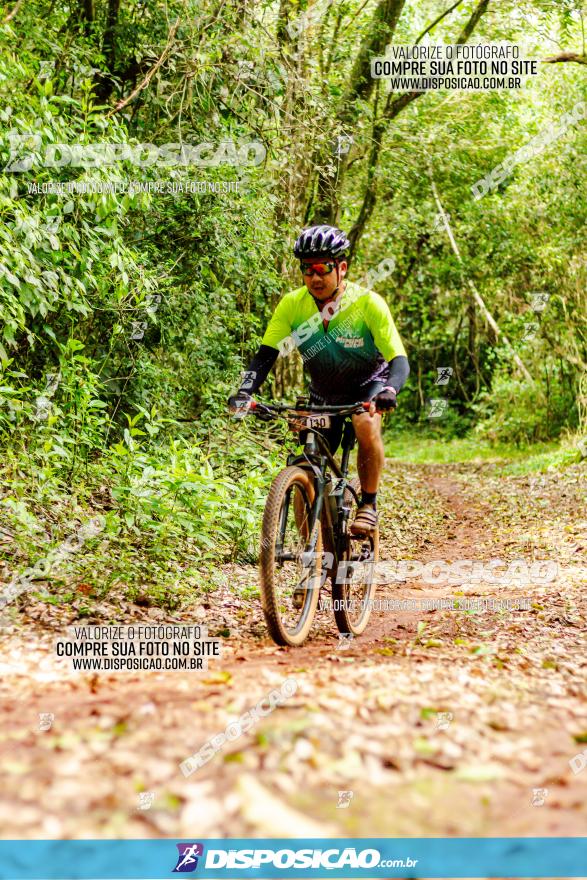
{"x":305,"y":533}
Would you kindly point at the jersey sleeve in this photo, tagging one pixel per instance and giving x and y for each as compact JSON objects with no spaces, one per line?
{"x":379,"y":321}
{"x":279,"y":326}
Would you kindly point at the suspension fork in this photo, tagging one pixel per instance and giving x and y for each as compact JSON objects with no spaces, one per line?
{"x":314,"y":519}
{"x":319,"y":473}
{"x":314,"y":524}
{"x":282,"y":525}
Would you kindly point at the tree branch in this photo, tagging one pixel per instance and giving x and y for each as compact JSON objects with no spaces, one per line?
{"x":437,"y":21}
{"x":576,"y":360}
{"x":145,"y":82}
{"x":477,"y":13}
{"x":11,"y":14}
{"x":396,"y":105}
{"x":566,"y":56}
{"x":326,"y":209}
{"x":359,"y":87}
{"x":476,"y":295}
{"x":393,"y":107}
{"x":361,"y":83}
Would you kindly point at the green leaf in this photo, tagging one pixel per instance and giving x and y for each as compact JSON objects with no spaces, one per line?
{"x":427,"y":713}
{"x":12,"y":278}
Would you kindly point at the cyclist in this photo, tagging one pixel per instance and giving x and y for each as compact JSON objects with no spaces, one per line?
{"x":350,"y":347}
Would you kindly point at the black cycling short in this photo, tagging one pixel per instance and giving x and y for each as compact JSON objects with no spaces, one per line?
{"x":333,"y":435}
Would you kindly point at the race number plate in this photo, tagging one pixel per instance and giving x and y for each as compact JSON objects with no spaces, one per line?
{"x":315,"y":422}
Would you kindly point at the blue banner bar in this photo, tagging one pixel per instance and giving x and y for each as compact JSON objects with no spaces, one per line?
{"x":368,"y":857}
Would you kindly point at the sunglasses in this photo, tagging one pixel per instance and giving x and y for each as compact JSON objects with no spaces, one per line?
{"x":319,"y":269}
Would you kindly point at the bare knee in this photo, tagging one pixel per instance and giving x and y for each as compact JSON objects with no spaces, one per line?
{"x":367,"y":429}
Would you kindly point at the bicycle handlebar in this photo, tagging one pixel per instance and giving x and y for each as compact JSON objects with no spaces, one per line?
{"x":347,"y":408}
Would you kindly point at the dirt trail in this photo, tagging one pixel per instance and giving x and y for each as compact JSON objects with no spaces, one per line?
{"x":366,"y":715}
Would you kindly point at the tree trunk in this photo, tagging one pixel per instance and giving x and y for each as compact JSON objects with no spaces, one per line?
{"x":328,"y":190}
{"x":87,"y":14}
{"x":359,"y":88}
{"x":105,"y":81}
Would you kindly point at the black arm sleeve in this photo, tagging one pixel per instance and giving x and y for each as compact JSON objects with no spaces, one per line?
{"x":399,"y":370}
{"x":259,"y":368}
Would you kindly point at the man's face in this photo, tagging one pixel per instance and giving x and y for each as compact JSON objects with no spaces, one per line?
{"x":322,"y":287}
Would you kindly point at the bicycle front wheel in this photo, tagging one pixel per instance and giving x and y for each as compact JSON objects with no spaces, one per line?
{"x":354,"y":584}
{"x":290,"y":558}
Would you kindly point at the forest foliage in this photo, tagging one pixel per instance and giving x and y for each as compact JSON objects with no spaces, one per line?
{"x":127,"y":316}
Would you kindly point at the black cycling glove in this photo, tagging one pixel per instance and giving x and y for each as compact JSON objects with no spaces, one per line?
{"x":239,"y":403}
{"x":386,"y":399}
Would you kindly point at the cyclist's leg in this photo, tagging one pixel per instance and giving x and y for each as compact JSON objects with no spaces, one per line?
{"x":371,"y":454}
{"x":370,"y":460}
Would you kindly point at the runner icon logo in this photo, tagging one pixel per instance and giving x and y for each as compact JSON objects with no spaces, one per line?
{"x":46,"y":720}
{"x":146,"y":799}
{"x":539,"y":796}
{"x":443,"y":720}
{"x":187,"y":861}
{"x":344,"y":799}
{"x":444,"y":374}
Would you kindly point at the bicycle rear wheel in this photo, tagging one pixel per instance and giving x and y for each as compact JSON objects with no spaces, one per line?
{"x":290,"y":558}
{"x":352,"y":597}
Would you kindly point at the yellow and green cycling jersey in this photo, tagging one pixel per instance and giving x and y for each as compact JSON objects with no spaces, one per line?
{"x":359,"y":341}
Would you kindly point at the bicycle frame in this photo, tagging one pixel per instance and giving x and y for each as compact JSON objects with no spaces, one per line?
{"x":318,"y":457}
{"x":313,"y":487}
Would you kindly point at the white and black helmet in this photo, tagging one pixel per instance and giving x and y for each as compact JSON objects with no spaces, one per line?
{"x":321,"y":240}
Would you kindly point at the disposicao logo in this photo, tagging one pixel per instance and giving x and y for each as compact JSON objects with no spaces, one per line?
{"x":187,"y":860}
{"x":330,"y":859}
